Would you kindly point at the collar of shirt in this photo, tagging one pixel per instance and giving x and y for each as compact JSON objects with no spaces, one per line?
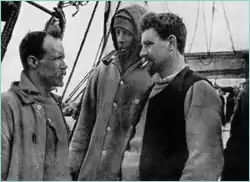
{"x":161,"y":83}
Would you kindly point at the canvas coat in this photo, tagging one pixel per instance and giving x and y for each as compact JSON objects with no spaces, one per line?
{"x":104,"y":123}
{"x":23,"y":135}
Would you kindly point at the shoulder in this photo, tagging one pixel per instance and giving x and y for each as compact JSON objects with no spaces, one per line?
{"x":107,"y":59}
{"x":202,"y":93}
{"x":9,"y":102}
{"x":8,"y":98}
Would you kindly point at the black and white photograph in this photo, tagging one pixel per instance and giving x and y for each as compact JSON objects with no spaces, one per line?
{"x":125,"y":90}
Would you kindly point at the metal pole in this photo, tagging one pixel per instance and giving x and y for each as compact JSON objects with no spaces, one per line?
{"x":41,"y":7}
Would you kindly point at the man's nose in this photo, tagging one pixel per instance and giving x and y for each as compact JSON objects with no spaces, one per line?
{"x":120,"y":38}
{"x":143,"y":52}
{"x":64,"y":65}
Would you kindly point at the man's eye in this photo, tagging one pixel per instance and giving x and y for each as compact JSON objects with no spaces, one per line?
{"x":147,"y":44}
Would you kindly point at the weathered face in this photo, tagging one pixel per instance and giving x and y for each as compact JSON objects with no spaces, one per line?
{"x":52,"y":68}
{"x":154,"y":50}
{"x":124,"y":40}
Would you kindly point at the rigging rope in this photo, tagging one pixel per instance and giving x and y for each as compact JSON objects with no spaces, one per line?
{"x":146,"y":5}
{"x":228,"y":26}
{"x":196,"y":25}
{"x":98,"y":51}
{"x":81,"y":47}
{"x":166,"y":4}
{"x":106,"y":38}
{"x":205,"y":25}
{"x":94,"y":65}
{"x":212,"y":25}
{"x":9,"y":28}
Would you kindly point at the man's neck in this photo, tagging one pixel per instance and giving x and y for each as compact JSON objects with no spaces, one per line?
{"x":177,"y":66}
{"x":37,"y":82}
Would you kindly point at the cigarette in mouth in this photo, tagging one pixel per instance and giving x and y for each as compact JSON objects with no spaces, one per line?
{"x":144,"y":63}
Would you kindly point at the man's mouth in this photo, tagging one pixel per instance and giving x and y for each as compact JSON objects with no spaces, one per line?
{"x":122,"y":50}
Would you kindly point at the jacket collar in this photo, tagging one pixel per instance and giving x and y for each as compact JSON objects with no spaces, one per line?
{"x":27,"y":91}
{"x":175,"y":82}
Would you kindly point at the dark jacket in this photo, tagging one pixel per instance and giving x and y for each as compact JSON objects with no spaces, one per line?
{"x":104,"y":123}
{"x":24,"y":136}
{"x":182,"y":136}
{"x":236,"y":153}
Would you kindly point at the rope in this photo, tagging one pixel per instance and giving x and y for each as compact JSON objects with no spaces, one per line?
{"x":98,"y":51}
{"x":146,"y":5}
{"x":166,"y":4}
{"x":196,"y":25}
{"x":94,"y":65}
{"x":81,"y":47}
{"x":9,"y":28}
{"x":205,"y":27}
{"x":212,"y":25}
{"x":78,"y":86}
{"x":106,"y":38}
{"x":228,"y":26}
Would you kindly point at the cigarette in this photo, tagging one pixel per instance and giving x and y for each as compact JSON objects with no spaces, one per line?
{"x":144,"y":64}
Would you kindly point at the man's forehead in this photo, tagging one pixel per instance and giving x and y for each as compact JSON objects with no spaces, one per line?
{"x":149,"y":34}
{"x":52,"y":42}
{"x":121,"y":29}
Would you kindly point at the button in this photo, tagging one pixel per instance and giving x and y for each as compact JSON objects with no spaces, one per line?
{"x":121,"y":82}
{"x":114,"y":105}
{"x":137,"y":101}
{"x":39,"y":107}
{"x":108,"y":128}
{"x":37,"y":165}
{"x":104,"y":153}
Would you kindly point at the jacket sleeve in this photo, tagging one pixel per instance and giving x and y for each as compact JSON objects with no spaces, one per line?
{"x":203,"y":133}
{"x":83,"y":129}
{"x":7,"y":121}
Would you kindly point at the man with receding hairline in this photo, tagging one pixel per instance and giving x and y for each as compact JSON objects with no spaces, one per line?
{"x":34,"y":132}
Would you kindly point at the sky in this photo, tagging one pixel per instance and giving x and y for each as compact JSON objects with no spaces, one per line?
{"x":31,"y":19}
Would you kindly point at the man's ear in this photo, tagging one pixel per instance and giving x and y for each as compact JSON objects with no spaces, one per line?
{"x":32,"y":62}
{"x":172,"y":42}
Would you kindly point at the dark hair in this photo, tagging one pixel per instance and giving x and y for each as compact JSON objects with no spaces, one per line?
{"x":32,"y":44}
{"x":166,"y":24}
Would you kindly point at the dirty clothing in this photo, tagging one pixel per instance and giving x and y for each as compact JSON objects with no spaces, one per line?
{"x":104,"y":125}
{"x":182,"y":135}
{"x":34,"y":135}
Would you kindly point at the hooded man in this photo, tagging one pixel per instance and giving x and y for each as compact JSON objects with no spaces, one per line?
{"x":114,"y":90}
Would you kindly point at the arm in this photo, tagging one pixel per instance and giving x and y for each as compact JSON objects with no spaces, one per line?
{"x":84,"y":126}
{"x":203,"y":133}
{"x":7,"y":136}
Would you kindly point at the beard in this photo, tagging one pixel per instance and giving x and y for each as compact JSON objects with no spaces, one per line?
{"x":151,"y":68}
{"x":52,"y":81}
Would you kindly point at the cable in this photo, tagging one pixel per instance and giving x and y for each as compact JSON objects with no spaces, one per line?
{"x":205,"y":25}
{"x":212,"y":25}
{"x":228,"y":26}
{"x":166,"y":5}
{"x":106,"y":38}
{"x":196,"y":25}
{"x":81,"y":47}
{"x":146,"y":5}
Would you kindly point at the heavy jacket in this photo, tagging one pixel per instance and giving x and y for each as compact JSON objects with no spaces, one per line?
{"x":24,"y":136}
{"x":182,"y":135}
{"x":104,"y":123}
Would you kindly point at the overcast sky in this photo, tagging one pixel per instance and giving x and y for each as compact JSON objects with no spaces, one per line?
{"x":32,"y":18}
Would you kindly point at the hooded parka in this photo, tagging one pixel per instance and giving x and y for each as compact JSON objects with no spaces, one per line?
{"x":104,"y":124}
